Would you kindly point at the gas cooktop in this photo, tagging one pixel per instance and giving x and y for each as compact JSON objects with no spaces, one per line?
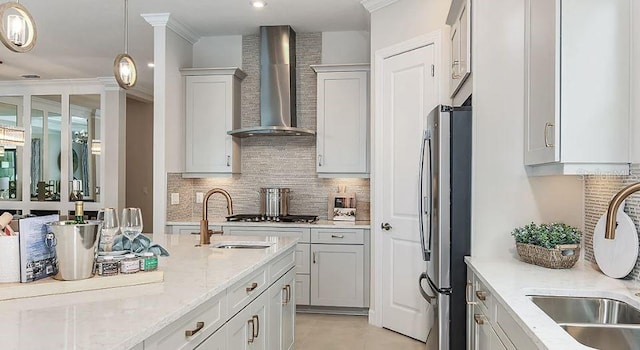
{"x":263,"y":218}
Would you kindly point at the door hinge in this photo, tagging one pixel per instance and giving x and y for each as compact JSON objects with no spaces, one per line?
{"x":433,"y":70}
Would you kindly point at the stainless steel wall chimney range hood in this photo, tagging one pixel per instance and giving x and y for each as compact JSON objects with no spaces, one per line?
{"x":277,"y":85}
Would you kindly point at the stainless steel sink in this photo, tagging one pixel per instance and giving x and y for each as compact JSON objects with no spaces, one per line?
{"x":599,"y":323}
{"x":587,"y":310}
{"x":605,"y":337}
{"x":241,"y":245}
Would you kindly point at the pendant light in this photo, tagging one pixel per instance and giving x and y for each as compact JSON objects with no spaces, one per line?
{"x":17,"y":28}
{"x":11,"y":135}
{"x":124,"y":67}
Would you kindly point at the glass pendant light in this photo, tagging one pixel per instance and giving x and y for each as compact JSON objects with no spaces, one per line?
{"x":124,"y":67}
{"x":17,"y":28}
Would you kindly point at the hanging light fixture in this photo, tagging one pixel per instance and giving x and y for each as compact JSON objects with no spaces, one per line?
{"x":124,"y":68}
{"x":96,"y":147}
{"x":11,"y":135}
{"x":17,"y":28}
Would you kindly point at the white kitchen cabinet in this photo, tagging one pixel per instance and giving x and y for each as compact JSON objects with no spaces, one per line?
{"x":212,"y":107}
{"x":216,"y":341}
{"x":486,"y":337}
{"x":460,"y":42}
{"x":282,"y":313}
{"x":248,"y":329}
{"x":303,"y":289}
{"x":342,"y":138}
{"x":577,"y":95}
{"x":337,"y":275}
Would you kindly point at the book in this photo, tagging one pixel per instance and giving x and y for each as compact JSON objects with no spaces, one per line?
{"x":37,"y":248}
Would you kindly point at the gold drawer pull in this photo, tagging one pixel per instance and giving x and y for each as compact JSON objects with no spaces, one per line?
{"x":253,"y":331}
{"x":479,"y":319}
{"x":337,"y":236}
{"x":481,"y":295}
{"x":190,"y":333}
{"x":466,"y":293}
{"x":254,"y":285}
{"x":547,"y":126}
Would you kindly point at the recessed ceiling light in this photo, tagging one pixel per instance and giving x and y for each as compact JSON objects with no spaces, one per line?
{"x":30,"y":76}
{"x":258,"y":3}
{"x":150,"y":65}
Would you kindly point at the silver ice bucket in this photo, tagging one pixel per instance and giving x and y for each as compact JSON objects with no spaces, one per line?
{"x":76,"y":248}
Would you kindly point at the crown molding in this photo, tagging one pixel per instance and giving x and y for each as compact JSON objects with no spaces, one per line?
{"x":374,"y":5}
{"x":166,"y":20}
{"x":110,"y":83}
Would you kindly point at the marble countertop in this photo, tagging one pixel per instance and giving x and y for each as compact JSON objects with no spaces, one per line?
{"x":120,"y":318}
{"x":318,"y":224}
{"x":512,"y":280}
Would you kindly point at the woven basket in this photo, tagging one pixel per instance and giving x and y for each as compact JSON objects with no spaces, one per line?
{"x":560,"y":257}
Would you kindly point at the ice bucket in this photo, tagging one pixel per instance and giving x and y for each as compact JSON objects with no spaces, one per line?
{"x":76,"y":247}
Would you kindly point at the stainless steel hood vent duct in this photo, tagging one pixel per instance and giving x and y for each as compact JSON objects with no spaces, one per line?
{"x":277,"y":85}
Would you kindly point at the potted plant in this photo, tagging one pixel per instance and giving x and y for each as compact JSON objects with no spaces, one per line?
{"x":554,"y":245}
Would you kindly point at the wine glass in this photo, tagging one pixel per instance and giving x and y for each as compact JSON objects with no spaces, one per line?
{"x":110,"y":228}
{"x":131,"y":225}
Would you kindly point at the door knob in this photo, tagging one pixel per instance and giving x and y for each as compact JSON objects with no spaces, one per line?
{"x":385,"y":226}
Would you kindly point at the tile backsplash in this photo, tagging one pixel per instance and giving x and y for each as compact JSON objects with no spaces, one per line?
{"x":280,"y":161}
{"x":598,"y":191}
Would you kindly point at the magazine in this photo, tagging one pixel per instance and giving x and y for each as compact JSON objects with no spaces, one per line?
{"x":37,"y":248}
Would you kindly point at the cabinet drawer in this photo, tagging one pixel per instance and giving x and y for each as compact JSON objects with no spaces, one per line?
{"x":246,"y":290}
{"x":512,"y":331}
{"x":212,"y":314}
{"x":302,"y":233}
{"x":483,"y":297}
{"x":303,"y":258}
{"x":337,"y":236}
{"x":303,"y":289}
{"x":280,"y":266}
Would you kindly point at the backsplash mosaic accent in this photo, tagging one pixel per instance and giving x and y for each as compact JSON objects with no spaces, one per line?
{"x":280,"y":161}
{"x":599,"y":189}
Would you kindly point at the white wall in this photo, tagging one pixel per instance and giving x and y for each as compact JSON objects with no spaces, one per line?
{"x":635,"y":82}
{"x":346,"y":47}
{"x":218,"y":51}
{"x":504,"y":197}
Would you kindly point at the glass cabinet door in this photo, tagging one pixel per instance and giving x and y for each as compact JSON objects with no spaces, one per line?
{"x":46,"y":156}
{"x":10,"y":115}
{"x":86,"y":147}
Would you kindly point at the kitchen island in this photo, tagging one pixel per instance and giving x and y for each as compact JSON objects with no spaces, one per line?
{"x":500,"y":287}
{"x":198,"y":281}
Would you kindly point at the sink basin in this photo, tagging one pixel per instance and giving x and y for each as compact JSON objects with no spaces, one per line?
{"x":605,"y":337}
{"x":242,"y":245}
{"x":587,"y":310}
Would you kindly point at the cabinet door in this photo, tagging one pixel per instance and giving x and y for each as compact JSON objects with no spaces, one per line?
{"x":454,"y":77}
{"x":217,"y":341}
{"x":469,"y":292}
{"x":343,"y":123}
{"x":282,"y":312}
{"x":337,"y":275}
{"x":303,"y":289}
{"x":248,"y":329}
{"x":209,"y":115}
{"x":542,"y":81}
{"x":303,"y":259}
{"x":486,"y":337}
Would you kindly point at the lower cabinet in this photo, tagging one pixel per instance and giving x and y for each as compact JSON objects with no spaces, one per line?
{"x":249,"y":328}
{"x":337,"y":275}
{"x":217,"y":341}
{"x":282,"y":309}
{"x":486,"y":337}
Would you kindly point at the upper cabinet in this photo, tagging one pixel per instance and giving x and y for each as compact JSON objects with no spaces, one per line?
{"x":343,"y":120}
{"x":577,"y":94}
{"x":212,"y":102}
{"x":459,"y":19}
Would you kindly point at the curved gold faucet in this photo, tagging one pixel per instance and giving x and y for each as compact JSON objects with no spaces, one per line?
{"x":205,"y":234}
{"x":612,"y":211}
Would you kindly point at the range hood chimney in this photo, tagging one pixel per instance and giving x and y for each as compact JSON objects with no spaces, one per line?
{"x":277,"y":85}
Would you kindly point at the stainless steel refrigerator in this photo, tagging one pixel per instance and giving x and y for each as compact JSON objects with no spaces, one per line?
{"x":445,"y":222}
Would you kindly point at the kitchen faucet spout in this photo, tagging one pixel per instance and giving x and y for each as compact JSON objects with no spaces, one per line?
{"x":612,"y":211}
{"x":205,"y":234}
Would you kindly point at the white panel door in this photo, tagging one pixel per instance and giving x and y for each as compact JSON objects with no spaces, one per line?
{"x":248,"y":329}
{"x":281,"y":313}
{"x":337,"y":275}
{"x":216,"y":341}
{"x":303,"y":289}
{"x":409,"y":94}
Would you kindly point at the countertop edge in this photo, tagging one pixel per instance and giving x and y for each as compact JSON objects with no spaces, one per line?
{"x":361,"y":224}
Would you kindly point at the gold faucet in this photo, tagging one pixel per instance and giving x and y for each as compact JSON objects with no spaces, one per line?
{"x":205,"y":233}
{"x":612,"y":211}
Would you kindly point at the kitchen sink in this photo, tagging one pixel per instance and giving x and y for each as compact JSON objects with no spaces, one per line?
{"x":605,"y":337}
{"x":242,"y":245}
{"x":587,"y":310}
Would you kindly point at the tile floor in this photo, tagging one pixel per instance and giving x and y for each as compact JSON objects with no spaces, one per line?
{"x":331,"y":332}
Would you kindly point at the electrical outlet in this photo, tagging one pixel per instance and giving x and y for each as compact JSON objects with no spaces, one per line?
{"x":175,"y":198}
{"x":199,"y":197}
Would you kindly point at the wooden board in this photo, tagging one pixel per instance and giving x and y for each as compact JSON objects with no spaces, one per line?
{"x":49,"y":286}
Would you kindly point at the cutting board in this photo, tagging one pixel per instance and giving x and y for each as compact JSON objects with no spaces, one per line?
{"x":50,"y":286}
{"x":616,"y":257}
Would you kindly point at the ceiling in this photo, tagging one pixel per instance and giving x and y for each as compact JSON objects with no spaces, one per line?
{"x":80,"y":38}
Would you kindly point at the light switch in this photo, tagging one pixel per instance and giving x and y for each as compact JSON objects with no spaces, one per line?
{"x":199,"y":197}
{"x":175,"y":198}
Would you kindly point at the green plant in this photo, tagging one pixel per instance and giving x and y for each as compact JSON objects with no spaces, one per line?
{"x":547,"y":235}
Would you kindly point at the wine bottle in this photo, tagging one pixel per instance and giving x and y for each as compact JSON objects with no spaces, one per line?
{"x":79,"y":219}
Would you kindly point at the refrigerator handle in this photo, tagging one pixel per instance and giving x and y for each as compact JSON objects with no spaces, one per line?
{"x":427,"y":297}
{"x":425,"y":200}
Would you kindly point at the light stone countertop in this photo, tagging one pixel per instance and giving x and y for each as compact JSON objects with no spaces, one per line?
{"x":120,"y":318}
{"x":318,"y":224}
{"x":512,"y":280}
